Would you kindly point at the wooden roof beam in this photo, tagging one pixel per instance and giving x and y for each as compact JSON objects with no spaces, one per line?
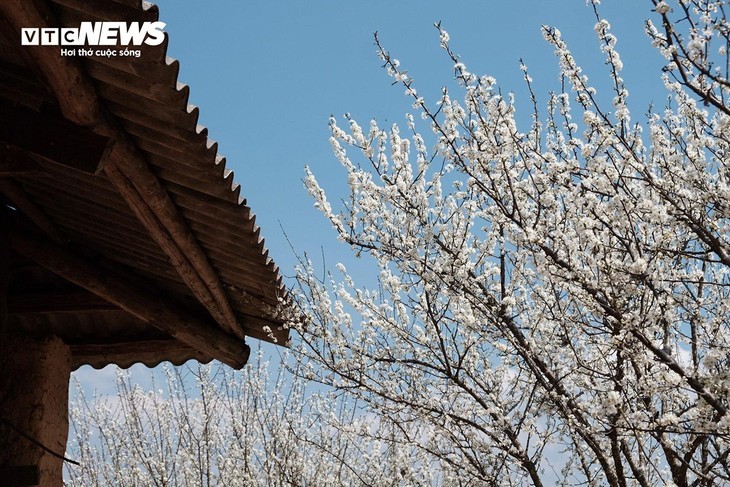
{"x":14,"y":162}
{"x":20,"y":200}
{"x":170,"y":232}
{"x":80,"y":103}
{"x":62,"y":142}
{"x":204,"y":337}
{"x":75,"y":93}
{"x":55,"y":302}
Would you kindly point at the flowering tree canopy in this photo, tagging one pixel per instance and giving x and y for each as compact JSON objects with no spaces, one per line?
{"x":210,"y":426}
{"x":553,"y":299}
{"x":552,"y":303}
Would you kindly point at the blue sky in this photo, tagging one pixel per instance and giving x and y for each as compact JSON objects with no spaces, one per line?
{"x":267,"y":76}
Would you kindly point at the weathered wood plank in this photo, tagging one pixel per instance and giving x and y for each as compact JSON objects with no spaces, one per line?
{"x":18,"y":197}
{"x":14,"y":162}
{"x":52,"y":302}
{"x":205,"y":337}
{"x":62,"y":142}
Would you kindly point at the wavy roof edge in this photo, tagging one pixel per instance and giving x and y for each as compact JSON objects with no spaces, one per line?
{"x":229,"y":174}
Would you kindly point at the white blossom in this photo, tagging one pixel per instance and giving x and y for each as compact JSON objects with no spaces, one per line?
{"x":562,"y":285}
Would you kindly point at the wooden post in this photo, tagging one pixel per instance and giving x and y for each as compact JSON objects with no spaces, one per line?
{"x":34,"y":406}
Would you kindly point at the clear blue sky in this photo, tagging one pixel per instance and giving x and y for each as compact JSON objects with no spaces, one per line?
{"x":267,"y":75}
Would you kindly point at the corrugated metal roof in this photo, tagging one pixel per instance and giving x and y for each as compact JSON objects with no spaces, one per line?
{"x":145,"y":98}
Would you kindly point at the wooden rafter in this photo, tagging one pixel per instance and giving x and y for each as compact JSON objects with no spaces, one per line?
{"x":202,"y":336}
{"x":62,"y":143}
{"x":15,"y":194}
{"x":125,"y":166}
{"x":14,"y":162}
{"x":55,"y":302}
